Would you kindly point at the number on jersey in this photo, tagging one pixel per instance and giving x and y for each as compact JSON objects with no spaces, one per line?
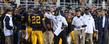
{"x":36,"y":20}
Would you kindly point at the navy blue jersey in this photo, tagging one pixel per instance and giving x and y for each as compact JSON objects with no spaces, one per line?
{"x":36,"y":21}
{"x":23,"y":21}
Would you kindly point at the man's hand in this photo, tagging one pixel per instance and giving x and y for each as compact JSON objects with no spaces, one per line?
{"x":95,"y":30}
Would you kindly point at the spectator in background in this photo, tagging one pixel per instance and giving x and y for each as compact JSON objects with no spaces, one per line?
{"x":22,"y":30}
{"x":17,"y":23}
{"x":8,"y":27}
{"x":108,"y":21}
{"x":97,"y":18}
{"x":1,"y":28}
{"x":103,"y":27}
{"x":93,"y":11}
{"x":5,"y":10}
{"x":15,"y":29}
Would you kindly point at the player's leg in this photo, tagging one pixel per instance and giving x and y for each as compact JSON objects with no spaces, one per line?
{"x":40,"y":37}
{"x":34,"y":37}
{"x":64,"y":37}
{"x":23,"y":34}
{"x":45,"y":37}
{"x":83,"y":36}
{"x":8,"y":40}
{"x":51,"y":36}
{"x":76,"y":40}
{"x":95,"y":37}
{"x":72,"y":34}
{"x":48,"y":37}
{"x":60,"y":41}
{"x":91,"y":38}
{"x":19,"y":35}
{"x":29,"y":31}
{"x":15,"y":35}
{"x":56,"y":39}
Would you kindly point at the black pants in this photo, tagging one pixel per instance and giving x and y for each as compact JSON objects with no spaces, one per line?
{"x":61,"y":35}
{"x":102,"y":36}
{"x":15,"y":37}
{"x":2,"y":38}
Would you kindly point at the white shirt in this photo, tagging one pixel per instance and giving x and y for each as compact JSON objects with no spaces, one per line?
{"x":89,"y":21}
{"x":6,"y":31}
{"x":78,"y":22}
{"x":103,"y":22}
{"x":57,"y":21}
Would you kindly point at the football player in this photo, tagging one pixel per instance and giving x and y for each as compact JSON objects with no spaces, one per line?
{"x":22,"y":30}
{"x":29,"y":27}
{"x":37,"y":26}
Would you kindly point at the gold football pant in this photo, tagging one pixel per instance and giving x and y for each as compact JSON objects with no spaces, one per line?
{"x":72,"y":37}
{"x":60,"y":41}
{"x":29,"y":31}
{"x":37,"y":36}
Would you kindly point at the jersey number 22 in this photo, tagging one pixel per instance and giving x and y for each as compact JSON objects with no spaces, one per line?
{"x":36,"y":20}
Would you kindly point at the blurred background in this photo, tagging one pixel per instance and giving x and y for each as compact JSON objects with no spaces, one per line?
{"x":35,"y":3}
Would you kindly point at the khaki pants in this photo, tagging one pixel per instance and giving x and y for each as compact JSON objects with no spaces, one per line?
{"x":79,"y":36}
{"x":48,"y":37}
{"x":89,"y":38}
{"x":8,"y":39}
